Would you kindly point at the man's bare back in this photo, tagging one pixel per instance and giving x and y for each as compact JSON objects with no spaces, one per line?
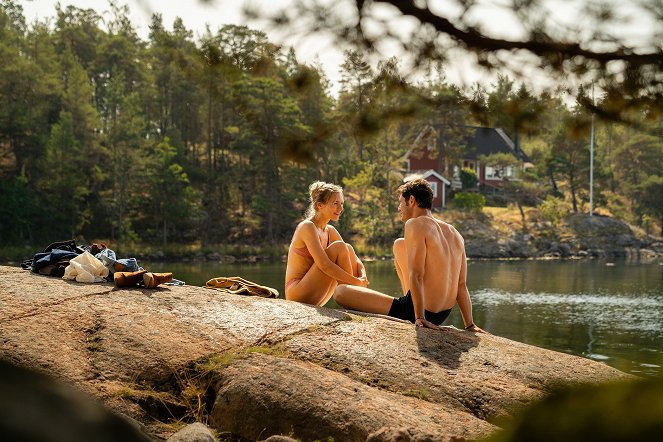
{"x":444,"y":259}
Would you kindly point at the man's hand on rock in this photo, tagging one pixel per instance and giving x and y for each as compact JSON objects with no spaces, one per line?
{"x":476,"y":329}
{"x":423,"y":322}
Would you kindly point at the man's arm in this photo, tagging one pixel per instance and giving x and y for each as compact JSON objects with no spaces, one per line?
{"x":463,"y":296}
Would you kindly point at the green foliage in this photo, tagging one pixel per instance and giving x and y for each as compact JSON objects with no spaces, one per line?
{"x":172,"y":198}
{"x":469,"y":178}
{"x":553,"y":210}
{"x":370,"y":193}
{"x":568,"y":159}
{"x":615,"y":412}
{"x":651,"y":198}
{"x":18,"y":207}
{"x":469,"y":201}
{"x":62,"y":184}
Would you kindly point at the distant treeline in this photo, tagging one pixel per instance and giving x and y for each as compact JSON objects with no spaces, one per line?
{"x":106,"y":136}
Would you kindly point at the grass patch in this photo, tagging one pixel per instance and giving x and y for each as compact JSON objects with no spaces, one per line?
{"x":278,"y":350}
{"x":222,"y":360}
{"x":93,"y":343}
{"x":359,"y":318}
{"x":189,"y":394}
{"x":217,"y":362}
{"x":420,"y":393}
{"x":160,"y":405}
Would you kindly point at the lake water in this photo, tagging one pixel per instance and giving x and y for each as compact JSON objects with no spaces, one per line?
{"x":611,"y":312}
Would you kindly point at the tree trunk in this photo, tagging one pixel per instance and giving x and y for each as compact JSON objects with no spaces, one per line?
{"x":553,"y":183}
{"x":522,"y":214}
{"x":573,"y":194}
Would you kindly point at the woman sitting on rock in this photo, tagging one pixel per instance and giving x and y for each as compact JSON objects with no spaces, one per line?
{"x":318,"y":258}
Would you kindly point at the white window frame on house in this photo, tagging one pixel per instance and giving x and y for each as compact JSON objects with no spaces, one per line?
{"x":509,"y":172}
{"x":433,"y":185}
{"x":491,"y":173}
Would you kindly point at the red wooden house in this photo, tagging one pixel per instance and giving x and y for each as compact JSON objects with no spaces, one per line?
{"x":427,"y":154}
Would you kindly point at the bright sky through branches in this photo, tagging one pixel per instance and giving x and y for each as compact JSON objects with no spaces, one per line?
{"x":494,"y":17}
{"x":196,"y":15}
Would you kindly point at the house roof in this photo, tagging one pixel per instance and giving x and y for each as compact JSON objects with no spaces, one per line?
{"x":483,"y":141}
{"x":425,"y":174}
{"x":490,"y":140}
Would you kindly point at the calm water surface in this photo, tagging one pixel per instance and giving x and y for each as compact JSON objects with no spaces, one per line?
{"x":607,"y":311}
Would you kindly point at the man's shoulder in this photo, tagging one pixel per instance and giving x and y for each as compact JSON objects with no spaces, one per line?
{"x":417,"y":223}
{"x":449,"y":229}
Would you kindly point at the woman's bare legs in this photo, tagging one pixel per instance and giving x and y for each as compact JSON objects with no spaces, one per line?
{"x":362,"y":299}
{"x":316,"y":287}
{"x":355,"y":262}
{"x":371,"y":301}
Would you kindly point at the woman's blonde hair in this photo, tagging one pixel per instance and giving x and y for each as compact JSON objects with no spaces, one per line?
{"x":320,"y":192}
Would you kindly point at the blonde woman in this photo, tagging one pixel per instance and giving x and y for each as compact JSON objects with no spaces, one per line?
{"x":318,"y":258}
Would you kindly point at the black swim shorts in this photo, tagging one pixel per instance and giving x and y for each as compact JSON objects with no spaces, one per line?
{"x":402,"y":308}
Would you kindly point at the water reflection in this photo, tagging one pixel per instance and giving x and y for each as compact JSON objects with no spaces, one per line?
{"x":609,"y":313}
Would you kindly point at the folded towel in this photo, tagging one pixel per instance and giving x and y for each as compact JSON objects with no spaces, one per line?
{"x":240,"y":286}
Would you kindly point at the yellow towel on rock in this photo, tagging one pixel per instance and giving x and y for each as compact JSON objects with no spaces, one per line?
{"x":240,"y":286}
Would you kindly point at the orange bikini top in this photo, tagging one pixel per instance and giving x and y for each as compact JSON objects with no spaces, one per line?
{"x":303,"y":251}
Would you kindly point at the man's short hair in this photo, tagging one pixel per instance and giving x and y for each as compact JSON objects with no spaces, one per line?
{"x":420,"y":189}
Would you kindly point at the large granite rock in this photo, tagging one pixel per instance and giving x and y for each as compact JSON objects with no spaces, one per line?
{"x":603,"y":236}
{"x":256,"y":367}
{"x":579,"y":235}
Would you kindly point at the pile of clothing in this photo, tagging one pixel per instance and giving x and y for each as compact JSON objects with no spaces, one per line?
{"x":96,"y":263}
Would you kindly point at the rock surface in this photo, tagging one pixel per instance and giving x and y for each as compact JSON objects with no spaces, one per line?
{"x":576,"y":236}
{"x":195,"y":432}
{"x":256,"y":367}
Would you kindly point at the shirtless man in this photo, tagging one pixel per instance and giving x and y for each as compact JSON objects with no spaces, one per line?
{"x":431,"y":265}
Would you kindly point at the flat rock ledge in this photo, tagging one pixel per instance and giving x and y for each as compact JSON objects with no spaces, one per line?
{"x":252,"y":368}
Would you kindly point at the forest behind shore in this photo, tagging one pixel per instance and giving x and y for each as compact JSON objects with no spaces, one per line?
{"x":173,"y":140}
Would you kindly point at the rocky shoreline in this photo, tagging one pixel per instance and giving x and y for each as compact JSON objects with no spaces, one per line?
{"x":580,"y":237}
{"x":251,"y":368}
{"x":576,"y":237}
